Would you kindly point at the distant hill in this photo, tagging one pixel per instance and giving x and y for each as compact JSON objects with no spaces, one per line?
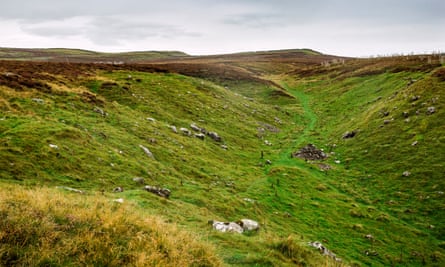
{"x":78,"y":55}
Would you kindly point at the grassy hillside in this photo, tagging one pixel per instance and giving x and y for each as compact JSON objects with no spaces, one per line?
{"x":45,"y":227}
{"x":82,"y":126}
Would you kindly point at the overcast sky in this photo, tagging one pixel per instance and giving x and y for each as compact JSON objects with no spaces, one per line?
{"x":340,"y":27}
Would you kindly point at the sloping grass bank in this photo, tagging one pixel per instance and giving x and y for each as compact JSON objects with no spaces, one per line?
{"x":47,"y":227}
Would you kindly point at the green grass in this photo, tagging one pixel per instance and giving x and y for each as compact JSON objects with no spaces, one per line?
{"x":294,"y":200}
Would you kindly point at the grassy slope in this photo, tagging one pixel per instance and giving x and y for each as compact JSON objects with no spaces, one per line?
{"x":96,"y":152}
{"x":293,"y":199}
{"x":374,"y":196}
{"x":46,"y":227}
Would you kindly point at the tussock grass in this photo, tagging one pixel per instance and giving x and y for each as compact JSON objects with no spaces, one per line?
{"x":46,"y":227}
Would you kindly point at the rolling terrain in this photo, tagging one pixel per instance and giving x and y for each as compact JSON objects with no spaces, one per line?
{"x":377,"y":199}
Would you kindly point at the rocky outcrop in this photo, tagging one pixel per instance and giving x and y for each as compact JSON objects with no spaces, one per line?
{"x":249,"y":225}
{"x":310,"y":152}
{"x":162,"y":192}
{"x":243,"y":225}
{"x":226,"y":227}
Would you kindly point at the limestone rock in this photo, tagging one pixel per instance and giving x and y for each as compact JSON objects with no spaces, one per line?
{"x":249,"y":225}
{"x":147,"y":151}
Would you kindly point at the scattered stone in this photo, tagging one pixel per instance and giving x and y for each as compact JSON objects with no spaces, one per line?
{"x":214,"y":136}
{"x":195,"y":127}
{"x":386,"y":113}
{"x":163,"y":192}
{"x":200,"y":136}
{"x":249,"y":225}
{"x":337,"y":161}
{"x":243,"y":225}
{"x":431,"y":110}
{"x":415,"y":98}
{"x":267,"y":143}
{"x":414,"y":143}
{"x":324,"y":167}
{"x":224,"y":147}
{"x":118,"y":189}
{"x":406,"y":173}
{"x":139,"y":180}
{"x":173,"y":128}
{"x":411,"y":81}
{"x":324,"y":250}
{"x":371,"y":253}
{"x":38,"y":100}
{"x":405,"y":114}
{"x":226,"y":227}
{"x":100,"y":111}
{"x":147,"y":151}
{"x":71,"y":189}
{"x":249,"y":200}
{"x":310,"y":152}
{"x":387,"y":121}
{"x":119,"y":200}
{"x":185,"y":131}
{"x":151,"y":119}
{"x":349,"y":134}
{"x":269,"y":127}
{"x":230,"y":184}
{"x":53,"y":146}
{"x":268,"y":162}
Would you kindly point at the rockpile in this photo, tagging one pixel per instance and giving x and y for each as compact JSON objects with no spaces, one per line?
{"x":310,"y":152}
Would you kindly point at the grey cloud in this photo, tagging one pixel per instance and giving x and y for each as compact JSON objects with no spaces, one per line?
{"x":217,"y":24}
{"x":255,"y":20}
{"x":115,"y":30}
{"x":52,"y":30}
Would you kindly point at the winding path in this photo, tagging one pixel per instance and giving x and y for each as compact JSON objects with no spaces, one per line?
{"x":308,"y":115}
